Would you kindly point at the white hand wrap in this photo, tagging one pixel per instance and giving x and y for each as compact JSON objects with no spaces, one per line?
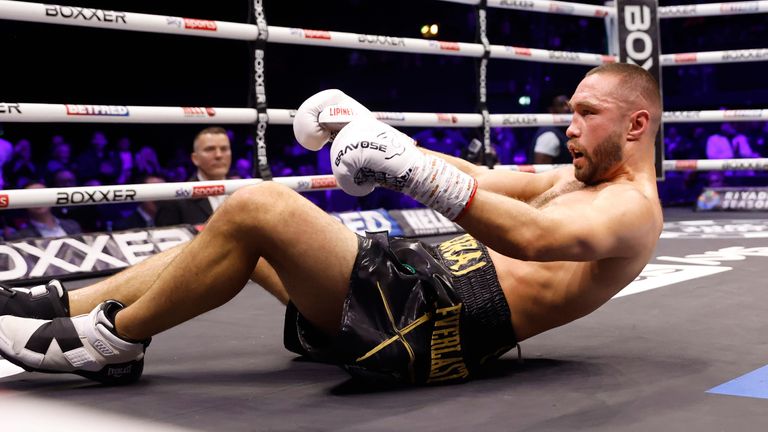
{"x":441,"y":186}
{"x":321,"y":116}
{"x":367,"y":153}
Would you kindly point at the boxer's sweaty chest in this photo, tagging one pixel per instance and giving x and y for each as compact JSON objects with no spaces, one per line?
{"x":557,"y":191}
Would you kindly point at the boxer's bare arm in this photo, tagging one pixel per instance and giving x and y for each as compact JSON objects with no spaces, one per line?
{"x":467,"y":167}
{"x":521,"y":185}
{"x":617,"y":221}
{"x":518,"y":185}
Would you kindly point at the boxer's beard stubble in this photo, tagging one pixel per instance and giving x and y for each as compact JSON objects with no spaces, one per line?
{"x":606,"y":155}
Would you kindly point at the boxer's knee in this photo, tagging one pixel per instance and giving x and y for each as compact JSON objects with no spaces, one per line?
{"x":257,"y":205}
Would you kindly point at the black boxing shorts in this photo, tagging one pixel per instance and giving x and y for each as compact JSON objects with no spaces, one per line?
{"x":414,"y":314}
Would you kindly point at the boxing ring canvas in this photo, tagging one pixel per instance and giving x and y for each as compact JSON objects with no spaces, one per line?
{"x":687,"y":352}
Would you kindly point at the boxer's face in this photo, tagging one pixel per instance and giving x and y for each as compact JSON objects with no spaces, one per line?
{"x":596,"y":133}
{"x":212,"y":155}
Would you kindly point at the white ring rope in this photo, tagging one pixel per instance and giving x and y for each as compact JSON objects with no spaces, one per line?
{"x":131,"y":21}
{"x":545,"y":6}
{"x":715,"y":57}
{"x":335,"y":39}
{"x":66,"y":113}
{"x":753,"y":164}
{"x":714,"y":116}
{"x":86,"y":17}
{"x":113,"y":194}
{"x":714,"y":9}
{"x":70,"y":113}
{"x":579,"y":9}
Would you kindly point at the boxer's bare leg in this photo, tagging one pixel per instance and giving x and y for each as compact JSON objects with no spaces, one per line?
{"x":311,"y":252}
{"x":266,"y":276}
{"x":128,"y":285}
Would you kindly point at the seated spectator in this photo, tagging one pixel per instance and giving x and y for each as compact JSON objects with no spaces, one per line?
{"x":88,"y":215}
{"x":550,"y":145}
{"x":125,"y":155}
{"x":98,"y":163}
{"x":177,"y":174}
{"x":6,"y":153}
{"x":719,"y":146}
{"x":7,"y":232}
{"x":42,"y":223}
{"x":698,"y":143}
{"x":61,"y":153}
{"x":21,"y":170}
{"x":728,"y":144}
{"x":742,"y":148}
{"x":445,"y":140}
{"x":673,"y":143}
{"x":243,"y":169}
{"x":760,"y":138}
{"x":295,"y":155}
{"x":506,"y":144}
{"x":64,"y":178}
{"x":146,"y":164}
{"x":143,"y":216}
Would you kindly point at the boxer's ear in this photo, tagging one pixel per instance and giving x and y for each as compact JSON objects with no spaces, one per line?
{"x":639,"y":122}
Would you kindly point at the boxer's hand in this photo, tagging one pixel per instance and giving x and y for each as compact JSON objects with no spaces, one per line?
{"x":367,"y":153}
{"x":321,"y":116}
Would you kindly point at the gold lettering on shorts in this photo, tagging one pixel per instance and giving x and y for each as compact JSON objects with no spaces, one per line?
{"x":462,"y":254}
{"x":447,"y":362}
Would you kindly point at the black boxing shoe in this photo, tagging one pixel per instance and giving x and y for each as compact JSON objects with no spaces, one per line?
{"x":47,"y":301}
{"x":86,"y":345}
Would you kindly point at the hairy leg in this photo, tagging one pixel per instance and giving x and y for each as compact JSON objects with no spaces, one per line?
{"x":130,"y":284}
{"x":126,"y":286}
{"x":311,"y":252}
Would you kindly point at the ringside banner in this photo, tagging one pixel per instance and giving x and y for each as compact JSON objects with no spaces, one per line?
{"x":424,"y":222}
{"x":369,"y":220}
{"x":639,"y":44}
{"x":33,"y":259}
{"x":733,"y":199}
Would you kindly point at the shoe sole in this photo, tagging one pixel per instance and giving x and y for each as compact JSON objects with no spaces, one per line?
{"x":111,"y":375}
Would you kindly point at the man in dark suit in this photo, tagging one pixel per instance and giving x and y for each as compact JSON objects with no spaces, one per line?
{"x":212,"y":155}
{"x":42,"y":222}
{"x":144,"y":214}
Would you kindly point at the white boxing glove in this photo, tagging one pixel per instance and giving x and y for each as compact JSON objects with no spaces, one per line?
{"x":321,"y":116}
{"x":368,"y":153}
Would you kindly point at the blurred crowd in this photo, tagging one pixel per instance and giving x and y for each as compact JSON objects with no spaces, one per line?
{"x":107,"y":160}
{"x":28,"y":165}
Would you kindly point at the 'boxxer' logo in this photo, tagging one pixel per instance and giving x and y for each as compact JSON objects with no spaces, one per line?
{"x":639,"y":44}
{"x":94,"y":196}
{"x":85,"y":14}
{"x":10,"y":108}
